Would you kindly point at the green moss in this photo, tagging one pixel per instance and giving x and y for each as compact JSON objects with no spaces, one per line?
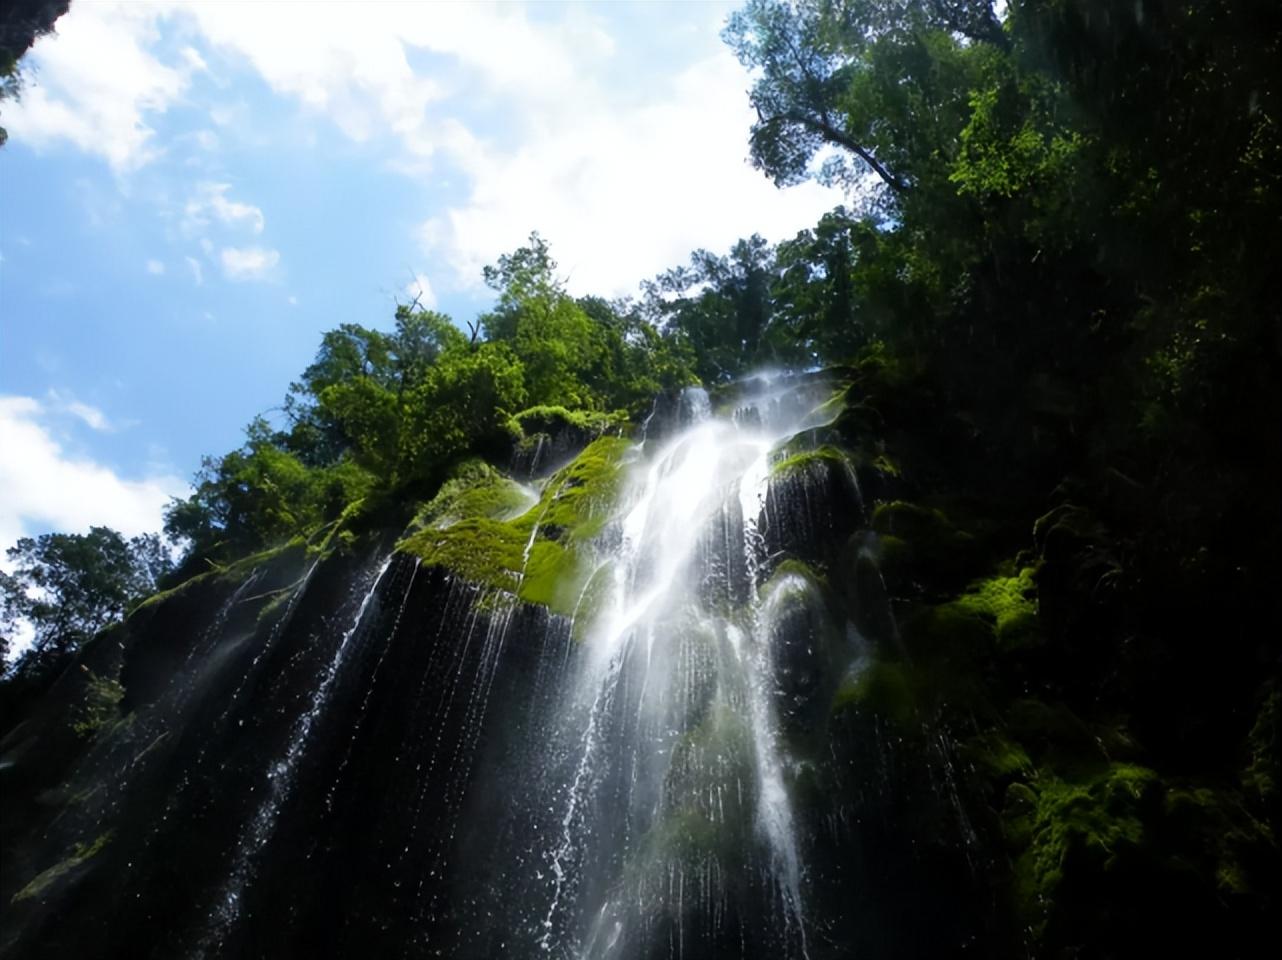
{"x":995,"y":756}
{"x":883,"y":688}
{"x":1083,"y":828}
{"x":338,"y":534}
{"x":233,"y":573}
{"x":486,"y":552}
{"x":277,"y":604}
{"x":823,"y":457}
{"x":239,"y":570}
{"x":592,"y":598}
{"x":1262,"y":778}
{"x":687,"y":834}
{"x":946,"y":632}
{"x":45,"y":879}
{"x":883,"y":464}
{"x":710,"y":759}
{"x":1009,"y":603}
{"x":549,"y":419}
{"x":911,"y":521}
{"x":552,"y":576}
{"x":101,"y":704}
{"x":1229,"y":838}
{"x":832,"y":408}
{"x":925,"y":544}
{"x":893,"y":551}
{"x":1057,"y":739}
{"x":795,"y":568}
{"x":579,"y":497}
{"x":476,"y":490}
{"x":537,"y":555}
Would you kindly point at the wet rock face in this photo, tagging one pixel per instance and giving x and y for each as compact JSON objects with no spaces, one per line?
{"x":372,"y":755}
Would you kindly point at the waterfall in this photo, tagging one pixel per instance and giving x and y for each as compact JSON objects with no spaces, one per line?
{"x":672,"y":811}
{"x":384,"y":758}
{"x":280,"y":778}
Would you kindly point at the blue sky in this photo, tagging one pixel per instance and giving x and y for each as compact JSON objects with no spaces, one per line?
{"x":193,"y":192}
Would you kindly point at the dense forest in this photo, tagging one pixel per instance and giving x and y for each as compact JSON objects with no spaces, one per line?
{"x":1049,"y":317}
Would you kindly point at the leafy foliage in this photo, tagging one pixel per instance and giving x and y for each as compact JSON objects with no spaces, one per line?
{"x":67,"y":587}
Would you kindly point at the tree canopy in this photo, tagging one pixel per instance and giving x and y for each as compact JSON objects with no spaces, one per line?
{"x":66,"y":587}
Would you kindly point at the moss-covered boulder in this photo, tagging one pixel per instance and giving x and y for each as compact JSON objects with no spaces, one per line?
{"x":1006,"y":603}
{"x":921,"y":546}
{"x":1074,"y":833}
{"x":539,"y":555}
{"x":548,"y":435}
{"x":882,"y":688}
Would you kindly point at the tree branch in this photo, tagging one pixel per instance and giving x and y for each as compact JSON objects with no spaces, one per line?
{"x":841,"y":139}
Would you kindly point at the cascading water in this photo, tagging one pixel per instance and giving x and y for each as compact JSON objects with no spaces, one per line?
{"x":673,"y":830}
{"x":395,"y":760}
{"x":281,"y":778}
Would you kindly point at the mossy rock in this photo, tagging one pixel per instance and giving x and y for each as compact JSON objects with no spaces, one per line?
{"x":475,"y":491}
{"x":551,"y":420}
{"x":946,"y":632}
{"x":996,"y":757}
{"x":823,"y":458}
{"x":516,"y":555}
{"x":883,"y":688}
{"x":925,"y":545}
{"x":792,"y":567}
{"x":1057,"y":739}
{"x":1076,"y":831}
{"x":1227,"y":836}
{"x":1009,"y":603}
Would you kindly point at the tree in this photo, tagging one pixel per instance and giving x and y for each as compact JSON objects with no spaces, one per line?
{"x":556,"y":341}
{"x":67,"y":587}
{"x":723,"y":307}
{"x":829,"y":89}
{"x":256,"y":495}
{"x":462,"y":405}
{"x":349,"y":398}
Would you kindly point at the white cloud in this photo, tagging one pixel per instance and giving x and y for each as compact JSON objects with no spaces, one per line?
{"x":535,"y":121}
{"x":155,"y":267}
{"x":421,"y":290}
{"x":210,"y":202}
{"x":622,"y":186}
{"x":197,"y":273}
{"x":47,"y":488}
{"x":293,"y":301}
{"x":622,"y":194}
{"x":248,"y":263}
{"x":91,"y":416}
{"x":95,"y":82}
{"x":191,"y":56}
{"x":205,"y":139}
